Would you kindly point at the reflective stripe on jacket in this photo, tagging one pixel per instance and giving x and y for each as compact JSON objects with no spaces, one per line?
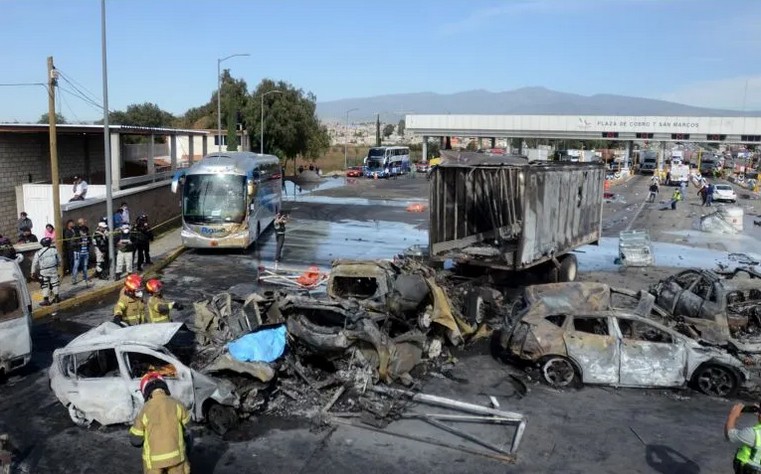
{"x":751,"y":455}
{"x":131,"y":310}
{"x":161,"y":424}
{"x":158,"y":310}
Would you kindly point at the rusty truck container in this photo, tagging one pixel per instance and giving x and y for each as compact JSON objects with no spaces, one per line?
{"x":506,"y":213}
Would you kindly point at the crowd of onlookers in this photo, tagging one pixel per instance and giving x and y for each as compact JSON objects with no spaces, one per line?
{"x":131,"y":242}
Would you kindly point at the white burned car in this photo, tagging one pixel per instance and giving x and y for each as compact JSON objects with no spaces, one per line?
{"x":574,"y":333}
{"x":97,"y":375}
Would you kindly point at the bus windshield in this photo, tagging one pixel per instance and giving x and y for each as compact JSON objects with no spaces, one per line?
{"x":374,"y":163}
{"x":376,"y":152}
{"x":214,"y":198}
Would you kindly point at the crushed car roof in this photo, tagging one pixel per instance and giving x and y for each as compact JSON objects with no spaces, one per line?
{"x":109,"y":334}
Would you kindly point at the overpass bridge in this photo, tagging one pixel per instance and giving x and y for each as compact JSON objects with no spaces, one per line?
{"x":627,"y":128}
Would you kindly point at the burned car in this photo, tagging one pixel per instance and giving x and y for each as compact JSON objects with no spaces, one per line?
{"x":573,"y":334}
{"x":715,"y":308}
{"x":97,"y":375}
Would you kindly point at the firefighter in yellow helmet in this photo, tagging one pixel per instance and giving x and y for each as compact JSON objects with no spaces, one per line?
{"x":161,"y":429}
{"x":130,"y":309}
{"x":158,"y":307}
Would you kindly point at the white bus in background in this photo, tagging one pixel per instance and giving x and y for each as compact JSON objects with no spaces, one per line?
{"x":15,"y":318}
{"x":229,"y":199}
{"x":387,"y":161}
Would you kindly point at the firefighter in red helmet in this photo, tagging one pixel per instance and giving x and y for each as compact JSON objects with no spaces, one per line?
{"x":130,"y":309}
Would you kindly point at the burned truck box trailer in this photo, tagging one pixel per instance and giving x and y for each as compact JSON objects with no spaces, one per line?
{"x":508,"y":214}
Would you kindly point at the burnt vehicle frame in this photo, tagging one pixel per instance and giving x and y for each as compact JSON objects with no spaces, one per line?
{"x":574,"y":334}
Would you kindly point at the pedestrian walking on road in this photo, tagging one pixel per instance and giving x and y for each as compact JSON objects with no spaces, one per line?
{"x":653,"y":192}
{"x":81,"y":254}
{"x":45,"y":266}
{"x":675,"y":198}
{"x":24,"y":222}
{"x":709,"y":195}
{"x":69,"y":234}
{"x":280,"y":221}
{"x":748,"y":456}
{"x":161,"y":429}
{"x":125,"y":250}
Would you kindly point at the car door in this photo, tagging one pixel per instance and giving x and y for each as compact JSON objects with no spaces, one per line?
{"x":96,"y":386}
{"x":650,"y":356}
{"x":589,"y":342}
{"x":669,"y":292}
{"x":140,"y":360}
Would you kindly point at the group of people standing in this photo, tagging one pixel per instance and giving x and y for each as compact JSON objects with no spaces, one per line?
{"x":705,"y":192}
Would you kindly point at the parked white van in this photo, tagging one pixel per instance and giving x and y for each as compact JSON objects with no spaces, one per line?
{"x":15,"y":318}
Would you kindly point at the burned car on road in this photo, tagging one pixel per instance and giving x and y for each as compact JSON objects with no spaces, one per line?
{"x":714,"y":307}
{"x":97,"y":375}
{"x":573,"y":333}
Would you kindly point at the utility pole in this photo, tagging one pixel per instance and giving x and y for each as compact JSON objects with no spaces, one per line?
{"x":107,"y":146}
{"x":54,"y":178}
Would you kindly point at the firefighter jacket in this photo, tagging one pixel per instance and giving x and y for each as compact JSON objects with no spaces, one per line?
{"x":130,"y":309}
{"x":161,"y":425}
{"x":124,"y":242}
{"x":45,"y":262}
{"x":158,"y":309}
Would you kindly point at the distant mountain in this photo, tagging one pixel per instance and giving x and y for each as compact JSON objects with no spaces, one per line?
{"x":527,"y":100}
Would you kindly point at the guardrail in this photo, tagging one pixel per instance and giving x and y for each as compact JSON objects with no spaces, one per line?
{"x":148,"y":178}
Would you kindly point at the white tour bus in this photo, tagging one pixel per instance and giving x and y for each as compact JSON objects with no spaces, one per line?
{"x":386,"y":161}
{"x":228,"y":199}
{"x":15,"y":318}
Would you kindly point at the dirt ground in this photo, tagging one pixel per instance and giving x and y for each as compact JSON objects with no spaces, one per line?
{"x":591,"y":429}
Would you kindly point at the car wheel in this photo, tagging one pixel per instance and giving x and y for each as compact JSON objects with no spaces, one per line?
{"x":78,"y":416}
{"x":221,"y":418}
{"x":715,"y":380}
{"x":568,"y":268}
{"x":559,"y":372}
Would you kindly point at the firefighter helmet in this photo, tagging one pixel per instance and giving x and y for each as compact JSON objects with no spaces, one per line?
{"x":150,"y":382}
{"x":133,"y":282}
{"x":153,"y":286}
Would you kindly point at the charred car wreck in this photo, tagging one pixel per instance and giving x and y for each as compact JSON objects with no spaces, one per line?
{"x":574,"y":333}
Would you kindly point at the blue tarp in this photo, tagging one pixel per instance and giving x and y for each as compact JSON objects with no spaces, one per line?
{"x":266,"y":345}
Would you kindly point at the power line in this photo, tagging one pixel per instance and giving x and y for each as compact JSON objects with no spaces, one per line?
{"x":78,"y":84}
{"x":81,"y":93}
{"x":83,"y":98}
{"x":70,"y":109}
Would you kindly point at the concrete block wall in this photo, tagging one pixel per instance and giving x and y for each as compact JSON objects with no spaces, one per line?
{"x":25,"y":157}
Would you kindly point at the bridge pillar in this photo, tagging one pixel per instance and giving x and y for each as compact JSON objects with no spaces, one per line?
{"x":191,"y":149}
{"x":204,"y":145}
{"x":447,"y":143}
{"x":173,"y":151}
{"x":116,"y":161}
{"x":425,"y":148}
{"x":493,"y":142}
{"x":628,"y":155}
{"x":151,"y":154}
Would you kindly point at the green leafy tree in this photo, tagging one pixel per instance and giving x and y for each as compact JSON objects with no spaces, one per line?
{"x":318,"y":144}
{"x":289,"y":117}
{"x":232,"y":131}
{"x":58,"y":118}
{"x":388,"y":129}
{"x":400,"y":128}
{"x":142,"y":115}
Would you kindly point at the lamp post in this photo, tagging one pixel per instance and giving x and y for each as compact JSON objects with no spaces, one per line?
{"x":261,"y":130}
{"x":346,"y":137}
{"x":219,"y":93}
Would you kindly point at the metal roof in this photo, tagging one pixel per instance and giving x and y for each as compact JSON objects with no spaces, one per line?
{"x":91,"y":129}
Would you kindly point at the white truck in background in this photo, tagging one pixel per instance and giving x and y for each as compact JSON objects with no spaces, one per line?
{"x":677,"y":155}
{"x":677,"y":173}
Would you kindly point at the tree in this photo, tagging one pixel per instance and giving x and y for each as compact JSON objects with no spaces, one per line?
{"x":400,"y":128}
{"x":318,"y":143}
{"x":388,"y":129}
{"x":289,"y":119}
{"x":142,"y":115}
{"x":232,"y":131}
{"x":59,"y":119}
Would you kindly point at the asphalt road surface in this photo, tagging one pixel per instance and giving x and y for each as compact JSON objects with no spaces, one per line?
{"x":592,"y":429}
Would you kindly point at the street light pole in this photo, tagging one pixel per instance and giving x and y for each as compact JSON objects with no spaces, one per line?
{"x":107,"y":146}
{"x":346,"y":138}
{"x":219,"y":100}
{"x":261,"y":123}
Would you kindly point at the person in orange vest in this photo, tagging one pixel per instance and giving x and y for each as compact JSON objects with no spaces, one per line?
{"x":161,"y":429}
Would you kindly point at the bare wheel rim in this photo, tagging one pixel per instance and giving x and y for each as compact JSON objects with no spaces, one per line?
{"x":558,"y":372}
{"x":715,"y":381}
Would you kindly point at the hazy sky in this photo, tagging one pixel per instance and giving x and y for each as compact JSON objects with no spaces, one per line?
{"x":699,"y":52}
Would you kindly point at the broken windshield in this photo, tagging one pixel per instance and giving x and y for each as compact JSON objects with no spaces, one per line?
{"x":214,"y":198}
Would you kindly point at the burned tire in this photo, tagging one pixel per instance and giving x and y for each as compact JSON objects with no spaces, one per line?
{"x":715,"y":380}
{"x":78,"y":416}
{"x":559,"y":372}
{"x":569,"y":268}
{"x":221,"y":419}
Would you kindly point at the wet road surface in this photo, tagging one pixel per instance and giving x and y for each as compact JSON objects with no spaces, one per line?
{"x":586,"y":430}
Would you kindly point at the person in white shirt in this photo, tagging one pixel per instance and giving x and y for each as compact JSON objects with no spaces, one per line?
{"x":125,"y":213}
{"x":79,"y":189}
